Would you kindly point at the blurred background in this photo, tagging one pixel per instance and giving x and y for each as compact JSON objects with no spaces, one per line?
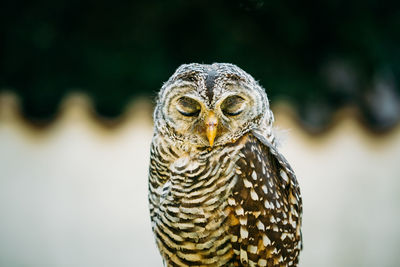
{"x":77,"y":87}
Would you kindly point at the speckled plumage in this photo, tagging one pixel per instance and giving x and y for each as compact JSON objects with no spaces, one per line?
{"x":229,"y":201}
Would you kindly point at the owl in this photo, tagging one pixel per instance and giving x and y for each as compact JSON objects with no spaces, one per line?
{"x":220,"y":193}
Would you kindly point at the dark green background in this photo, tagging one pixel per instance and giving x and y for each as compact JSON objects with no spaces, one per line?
{"x":320,"y":55}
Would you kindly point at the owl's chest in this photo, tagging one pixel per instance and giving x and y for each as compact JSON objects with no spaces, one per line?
{"x":202,"y":179}
{"x":194,"y":209}
{"x":199,"y":185}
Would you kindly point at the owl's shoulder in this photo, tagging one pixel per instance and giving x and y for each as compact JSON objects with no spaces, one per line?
{"x":266,"y":206}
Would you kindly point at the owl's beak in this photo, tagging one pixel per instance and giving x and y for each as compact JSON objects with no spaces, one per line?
{"x":211,"y":127}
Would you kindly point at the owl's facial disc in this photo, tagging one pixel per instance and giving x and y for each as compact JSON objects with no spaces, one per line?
{"x":202,"y":122}
{"x":208,"y":117}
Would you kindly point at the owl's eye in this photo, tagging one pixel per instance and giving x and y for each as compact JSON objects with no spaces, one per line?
{"x":232,"y":105}
{"x":188,"y":106}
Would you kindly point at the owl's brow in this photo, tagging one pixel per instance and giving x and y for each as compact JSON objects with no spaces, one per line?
{"x":233,"y":77}
{"x":191,"y":76}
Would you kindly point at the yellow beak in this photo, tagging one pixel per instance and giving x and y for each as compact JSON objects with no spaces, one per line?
{"x":211,"y":127}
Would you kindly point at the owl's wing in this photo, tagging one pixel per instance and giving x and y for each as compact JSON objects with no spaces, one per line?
{"x":267,"y":206}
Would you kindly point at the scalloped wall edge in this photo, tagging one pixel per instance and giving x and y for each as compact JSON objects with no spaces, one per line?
{"x":78,"y":108}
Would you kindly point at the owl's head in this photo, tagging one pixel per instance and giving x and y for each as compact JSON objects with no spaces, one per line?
{"x":211,"y":105}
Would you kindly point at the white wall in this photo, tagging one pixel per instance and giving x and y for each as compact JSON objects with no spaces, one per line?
{"x":75,"y":193}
